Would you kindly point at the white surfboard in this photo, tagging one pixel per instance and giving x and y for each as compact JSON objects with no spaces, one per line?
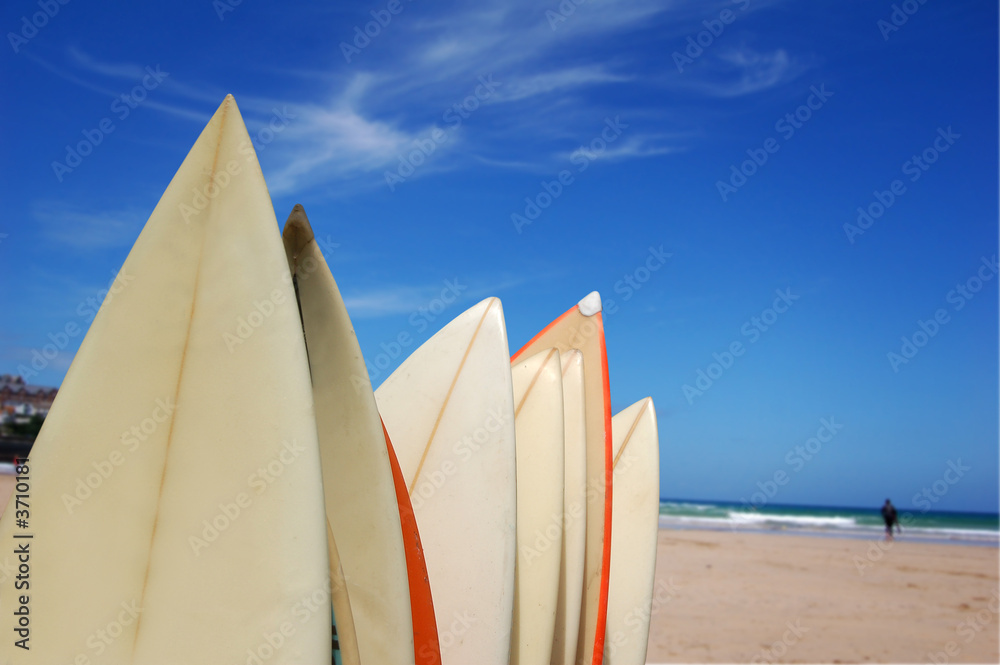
{"x":635,"y":516}
{"x":450,"y":415}
{"x":360,"y":498}
{"x":173,"y":510}
{"x":538,"y":417}
{"x":581,"y":327}
{"x":570,"y":595}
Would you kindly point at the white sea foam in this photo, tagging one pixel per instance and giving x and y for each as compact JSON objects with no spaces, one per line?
{"x":735,"y":520}
{"x":797,"y":520}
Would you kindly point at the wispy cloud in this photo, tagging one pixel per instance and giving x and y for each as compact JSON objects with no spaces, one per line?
{"x":85,"y":228}
{"x":632,"y":147}
{"x":744,"y":71}
{"x":354,"y":121}
{"x":556,"y":81}
{"x":390,"y":300}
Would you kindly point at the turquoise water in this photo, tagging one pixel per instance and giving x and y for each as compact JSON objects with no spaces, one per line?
{"x":928,"y":526}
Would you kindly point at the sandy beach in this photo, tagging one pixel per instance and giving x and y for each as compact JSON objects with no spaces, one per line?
{"x":760,"y":598}
{"x":744,"y":597}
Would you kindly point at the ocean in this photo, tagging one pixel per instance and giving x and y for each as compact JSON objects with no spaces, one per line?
{"x":930,"y":526}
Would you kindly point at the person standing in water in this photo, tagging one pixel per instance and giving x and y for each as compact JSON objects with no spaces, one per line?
{"x":890,"y":517}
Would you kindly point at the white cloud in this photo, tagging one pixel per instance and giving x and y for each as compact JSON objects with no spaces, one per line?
{"x":743,"y":71}
{"x":355,"y":120}
{"x":85,"y":228}
{"x":630,"y":147}
{"x":558,"y":80}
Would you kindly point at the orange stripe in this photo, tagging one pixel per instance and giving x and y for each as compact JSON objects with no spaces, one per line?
{"x":426,"y":647}
{"x":602,"y":607}
{"x":543,"y":331}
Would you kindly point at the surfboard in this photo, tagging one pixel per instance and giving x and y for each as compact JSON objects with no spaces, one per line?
{"x":539,"y":421}
{"x":344,"y":645}
{"x":635,"y":516}
{"x":361,"y":506}
{"x":425,"y":635}
{"x":172,"y":508}
{"x":581,"y":327}
{"x":449,"y":412}
{"x":570,"y":594}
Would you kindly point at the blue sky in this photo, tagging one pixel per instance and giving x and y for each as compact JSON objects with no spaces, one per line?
{"x":414,"y":153}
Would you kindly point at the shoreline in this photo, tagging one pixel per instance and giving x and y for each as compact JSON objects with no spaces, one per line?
{"x":917,"y":536}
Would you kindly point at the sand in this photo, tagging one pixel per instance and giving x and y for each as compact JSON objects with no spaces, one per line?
{"x":741,"y":598}
{"x":735,"y":597}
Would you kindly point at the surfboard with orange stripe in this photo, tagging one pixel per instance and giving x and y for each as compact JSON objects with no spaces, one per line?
{"x":426,"y":646}
{"x":449,"y":411}
{"x":582,"y":327}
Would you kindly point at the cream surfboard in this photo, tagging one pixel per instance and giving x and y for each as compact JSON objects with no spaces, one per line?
{"x":174,"y":504}
{"x":567,"y":626}
{"x":582,"y":328}
{"x":538,"y":419}
{"x":449,"y":411}
{"x":635,"y":516}
{"x":345,"y":640}
{"x":361,"y":508}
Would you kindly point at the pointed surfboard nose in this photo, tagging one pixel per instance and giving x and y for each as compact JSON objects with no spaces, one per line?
{"x":168,"y":350}
{"x":297,"y":234}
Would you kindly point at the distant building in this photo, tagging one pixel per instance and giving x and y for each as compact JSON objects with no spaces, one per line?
{"x":22,"y":398}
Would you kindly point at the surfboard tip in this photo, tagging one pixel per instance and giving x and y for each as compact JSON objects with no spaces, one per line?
{"x":591,"y":304}
{"x":298,"y":231}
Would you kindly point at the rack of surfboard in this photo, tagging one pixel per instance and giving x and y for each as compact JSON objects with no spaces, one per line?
{"x":217,"y":482}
